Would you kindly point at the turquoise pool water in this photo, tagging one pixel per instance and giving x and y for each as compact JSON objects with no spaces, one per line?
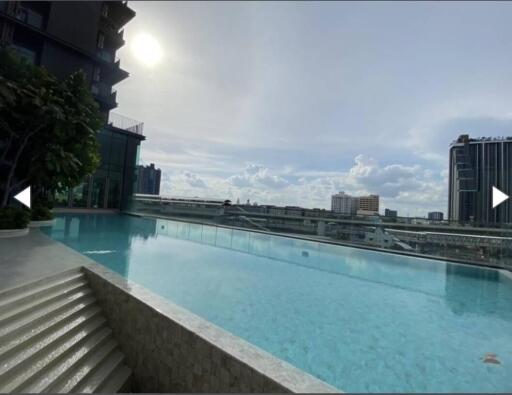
{"x":360,"y":320}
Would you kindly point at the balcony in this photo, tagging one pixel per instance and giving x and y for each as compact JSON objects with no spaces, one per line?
{"x":119,"y":13}
{"x":125,"y":123}
{"x":114,"y":73}
{"x":105,"y":55}
{"x":104,"y":95}
{"x":115,"y":39}
{"x":113,"y":36}
{"x":111,"y":67}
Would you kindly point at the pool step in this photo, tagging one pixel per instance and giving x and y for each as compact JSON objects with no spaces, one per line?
{"x":54,"y":338}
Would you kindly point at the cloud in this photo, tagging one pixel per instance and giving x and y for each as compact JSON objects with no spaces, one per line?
{"x":299,"y":92}
{"x":412,"y":189}
{"x":187,"y":184}
{"x":193,"y":180}
{"x":256,"y":175}
{"x":388,"y":180}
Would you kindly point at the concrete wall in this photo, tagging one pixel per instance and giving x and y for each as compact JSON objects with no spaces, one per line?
{"x":172,"y":350}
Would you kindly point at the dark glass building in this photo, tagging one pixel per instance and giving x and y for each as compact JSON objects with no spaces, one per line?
{"x":148,"y":180}
{"x":390,"y":213}
{"x":435,"y":216}
{"x":64,"y":37}
{"x":113,"y":183}
{"x":476,"y":165}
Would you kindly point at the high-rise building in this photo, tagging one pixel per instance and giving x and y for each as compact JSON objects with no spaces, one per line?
{"x":435,"y":216}
{"x":342,"y":203}
{"x":65,"y":37}
{"x":475,"y":166}
{"x":390,"y":213}
{"x":148,"y":180}
{"x":369,"y":204}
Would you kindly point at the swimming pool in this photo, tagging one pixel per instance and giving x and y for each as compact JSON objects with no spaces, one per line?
{"x":363,"y":321}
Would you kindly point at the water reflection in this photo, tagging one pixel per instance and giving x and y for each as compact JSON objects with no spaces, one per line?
{"x":112,"y":235}
{"x":488,"y":295}
{"x":109,"y":239}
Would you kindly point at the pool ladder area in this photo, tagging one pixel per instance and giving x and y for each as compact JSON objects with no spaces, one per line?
{"x":55,"y":338}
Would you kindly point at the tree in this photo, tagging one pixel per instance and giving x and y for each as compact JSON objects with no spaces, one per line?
{"x":48,"y":128}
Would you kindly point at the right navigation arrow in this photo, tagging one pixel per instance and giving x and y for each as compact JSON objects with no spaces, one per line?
{"x":498,"y":197}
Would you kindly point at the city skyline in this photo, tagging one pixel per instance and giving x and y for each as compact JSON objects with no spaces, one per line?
{"x":289,"y":103}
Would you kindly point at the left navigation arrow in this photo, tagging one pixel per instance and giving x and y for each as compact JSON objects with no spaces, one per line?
{"x":24,"y":197}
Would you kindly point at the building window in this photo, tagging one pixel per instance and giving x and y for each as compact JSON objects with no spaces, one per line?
{"x":117,"y":150}
{"x":27,"y":53}
{"x":94,"y":89}
{"x":101,"y":40}
{"x":79,"y":194}
{"x":98,"y":190}
{"x":29,"y":16}
{"x":104,"y":10}
{"x":96,"y":75}
{"x":21,"y":14}
{"x":114,"y":189}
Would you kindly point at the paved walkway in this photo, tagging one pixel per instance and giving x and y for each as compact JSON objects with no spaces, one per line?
{"x":30,"y":257}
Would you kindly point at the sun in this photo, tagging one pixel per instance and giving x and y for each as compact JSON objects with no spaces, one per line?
{"x":147,"y":49}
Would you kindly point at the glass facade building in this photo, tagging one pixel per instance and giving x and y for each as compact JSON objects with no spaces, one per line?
{"x":148,"y":182}
{"x":113,"y":183}
{"x":476,"y":165}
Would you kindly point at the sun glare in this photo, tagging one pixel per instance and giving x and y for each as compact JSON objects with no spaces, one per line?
{"x":147,"y":49}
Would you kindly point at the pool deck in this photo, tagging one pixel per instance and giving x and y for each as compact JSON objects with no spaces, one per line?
{"x":27,"y":258}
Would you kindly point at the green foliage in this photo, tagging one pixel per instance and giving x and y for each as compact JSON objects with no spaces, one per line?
{"x":40,"y":213}
{"x":43,"y":201}
{"x":47,"y":127}
{"x":14,"y":218}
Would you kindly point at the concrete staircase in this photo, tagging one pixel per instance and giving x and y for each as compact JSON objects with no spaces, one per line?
{"x":54,"y":338}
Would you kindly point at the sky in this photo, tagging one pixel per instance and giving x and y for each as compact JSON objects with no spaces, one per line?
{"x":287,"y":103}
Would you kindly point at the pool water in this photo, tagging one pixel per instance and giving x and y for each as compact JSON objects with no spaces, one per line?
{"x":362,"y":321}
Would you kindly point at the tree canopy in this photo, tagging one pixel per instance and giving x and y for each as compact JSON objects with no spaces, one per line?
{"x":48,"y":128}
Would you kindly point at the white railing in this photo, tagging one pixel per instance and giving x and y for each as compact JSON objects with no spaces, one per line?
{"x":125,"y":123}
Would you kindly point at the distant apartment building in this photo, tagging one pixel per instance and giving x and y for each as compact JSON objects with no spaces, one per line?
{"x":390,"y":213}
{"x":368,"y":204}
{"x":475,"y":166}
{"x":294,"y":211}
{"x":65,"y":37}
{"x":274,"y":210}
{"x":341,"y":203}
{"x":435,"y":216}
{"x":148,"y":180}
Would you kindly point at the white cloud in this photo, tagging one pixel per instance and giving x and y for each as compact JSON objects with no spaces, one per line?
{"x":413,"y":190}
{"x":193,"y":180}
{"x":256,"y":175}
{"x":220,"y":99}
{"x":388,"y":181}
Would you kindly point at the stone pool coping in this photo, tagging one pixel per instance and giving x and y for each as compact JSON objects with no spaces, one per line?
{"x":282,"y":373}
{"x":7,"y":233}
